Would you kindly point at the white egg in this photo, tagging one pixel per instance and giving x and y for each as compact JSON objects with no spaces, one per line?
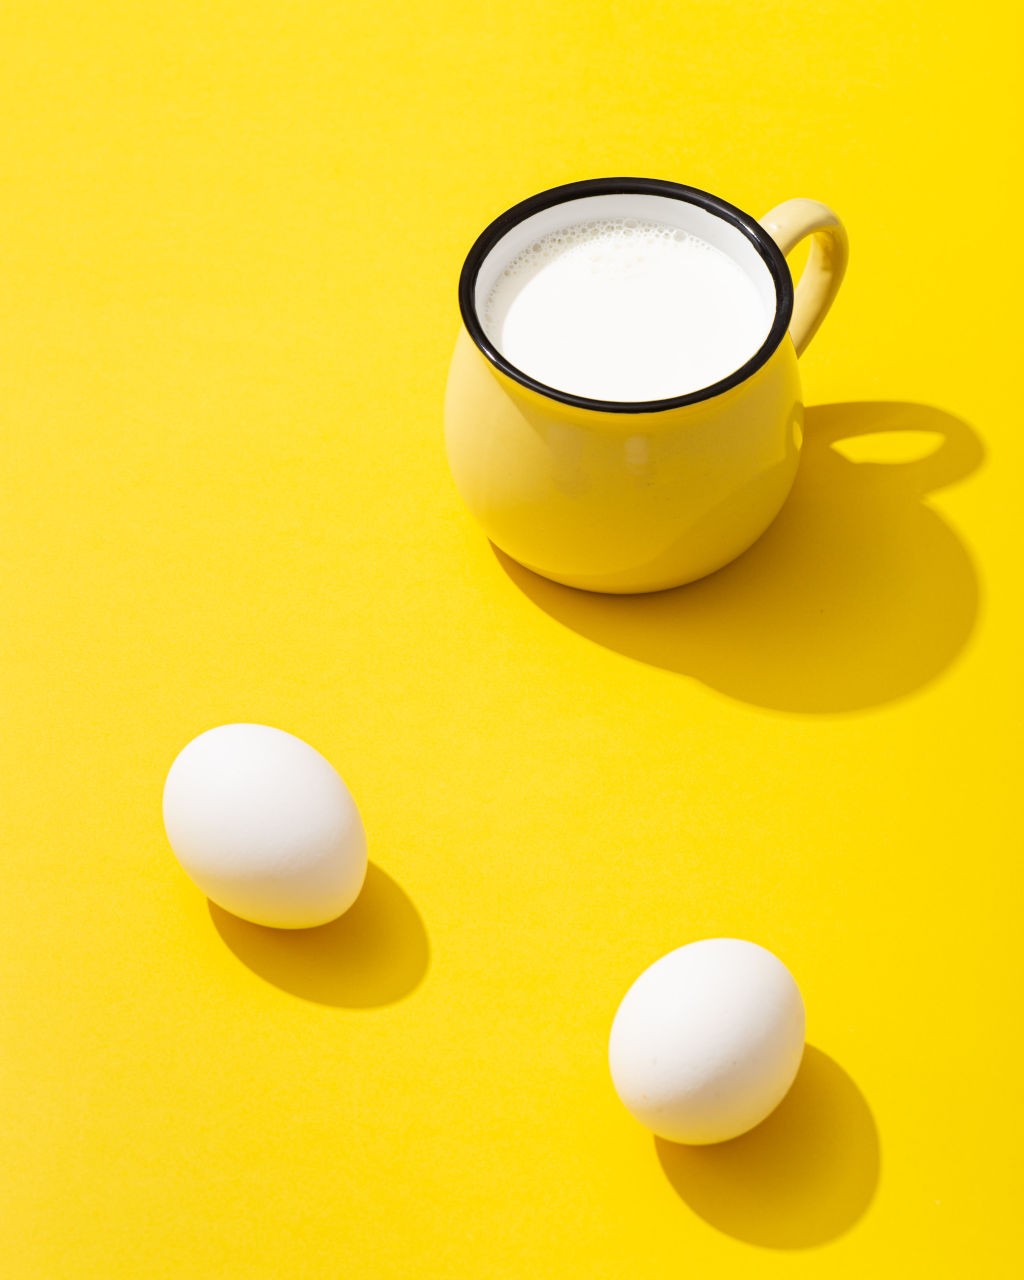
{"x":264,"y":825}
{"x":707,"y":1041}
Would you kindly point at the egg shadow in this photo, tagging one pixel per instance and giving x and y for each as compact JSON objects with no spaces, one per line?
{"x":858,"y":594}
{"x":373,"y":955}
{"x":801,"y":1178}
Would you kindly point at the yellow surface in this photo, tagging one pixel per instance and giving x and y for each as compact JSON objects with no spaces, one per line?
{"x":231,"y":235}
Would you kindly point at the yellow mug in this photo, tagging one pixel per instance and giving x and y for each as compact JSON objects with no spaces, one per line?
{"x":620,"y":496}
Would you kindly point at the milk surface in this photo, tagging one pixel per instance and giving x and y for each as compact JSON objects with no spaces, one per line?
{"x":625,"y":309}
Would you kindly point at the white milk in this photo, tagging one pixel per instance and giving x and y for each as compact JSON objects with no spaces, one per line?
{"x":625,"y":309}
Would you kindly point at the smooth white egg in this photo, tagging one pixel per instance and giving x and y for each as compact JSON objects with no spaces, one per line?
{"x":264,"y":825}
{"x":708,"y":1040}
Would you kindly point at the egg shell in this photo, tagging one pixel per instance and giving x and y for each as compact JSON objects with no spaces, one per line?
{"x":708,"y":1040}
{"x":265,"y":827}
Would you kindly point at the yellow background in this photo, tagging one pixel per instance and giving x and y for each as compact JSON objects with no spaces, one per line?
{"x":231,"y":235}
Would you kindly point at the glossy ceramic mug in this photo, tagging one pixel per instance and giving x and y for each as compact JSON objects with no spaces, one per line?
{"x":623,"y":496}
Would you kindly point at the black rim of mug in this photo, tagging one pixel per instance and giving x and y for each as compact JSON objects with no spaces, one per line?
{"x":770,"y":252}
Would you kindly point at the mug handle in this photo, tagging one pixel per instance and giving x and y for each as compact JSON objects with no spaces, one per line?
{"x":787,"y":224}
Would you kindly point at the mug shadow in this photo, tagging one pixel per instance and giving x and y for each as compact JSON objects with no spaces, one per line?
{"x":857,"y":595}
{"x":373,"y":955}
{"x":801,"y":1178}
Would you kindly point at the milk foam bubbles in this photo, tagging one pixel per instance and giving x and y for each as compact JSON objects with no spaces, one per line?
{"x":625,"y":309}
